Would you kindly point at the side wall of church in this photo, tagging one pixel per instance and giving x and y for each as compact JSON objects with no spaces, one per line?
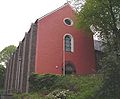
{"x":21,"y":63}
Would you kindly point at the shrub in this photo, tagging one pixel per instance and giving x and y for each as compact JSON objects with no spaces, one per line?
{"x":65,"y":87}
{"x":58,"y":94}
{"x":42,"y":82}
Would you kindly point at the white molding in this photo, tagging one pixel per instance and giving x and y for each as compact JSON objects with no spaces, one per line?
{"x":66,"y":4}
{"x":70,"y":20}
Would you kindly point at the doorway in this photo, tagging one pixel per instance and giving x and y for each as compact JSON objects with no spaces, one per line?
{"x":69,"y":68}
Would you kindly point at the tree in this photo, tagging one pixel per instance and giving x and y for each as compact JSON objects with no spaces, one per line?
{"x":6,"y":52}
{"x":4,"y":55}
{"x":76,"y":4}
{"x":103,"y":17}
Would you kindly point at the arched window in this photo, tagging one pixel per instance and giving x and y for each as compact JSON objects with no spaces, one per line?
{"x":68,"y":43}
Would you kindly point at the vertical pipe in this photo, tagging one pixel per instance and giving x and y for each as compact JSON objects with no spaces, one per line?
{"x":63,"y":56}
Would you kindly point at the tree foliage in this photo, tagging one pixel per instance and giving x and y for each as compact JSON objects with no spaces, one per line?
{"x":6,"y":52}
{"x":103,"y":17}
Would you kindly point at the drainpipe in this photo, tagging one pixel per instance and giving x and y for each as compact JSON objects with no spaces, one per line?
{"x":63,"y":57}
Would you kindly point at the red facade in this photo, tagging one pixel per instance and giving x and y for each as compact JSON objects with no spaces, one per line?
{"x":50,"y":54}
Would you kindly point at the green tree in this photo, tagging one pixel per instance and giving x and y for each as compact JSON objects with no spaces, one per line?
{"x":6,"y":52}
{"x":103,"y":17}
{"x":4,"y":55}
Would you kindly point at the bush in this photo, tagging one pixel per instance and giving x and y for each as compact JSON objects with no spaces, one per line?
{"x":58,"y":94}
{"x":28,"y":96}
{"x":42,"y":82}
{"x":68,"y":86}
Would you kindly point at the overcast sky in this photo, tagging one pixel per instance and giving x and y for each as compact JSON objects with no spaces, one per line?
{"x":16,"y":17}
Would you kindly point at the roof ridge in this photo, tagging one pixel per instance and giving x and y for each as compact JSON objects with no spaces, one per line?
{"x":66,"y":4}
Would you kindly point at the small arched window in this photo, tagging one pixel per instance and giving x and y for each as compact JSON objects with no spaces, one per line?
{"x":68,"y":43}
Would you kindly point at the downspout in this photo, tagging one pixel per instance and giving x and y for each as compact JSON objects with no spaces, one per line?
{"x":63,"y":57}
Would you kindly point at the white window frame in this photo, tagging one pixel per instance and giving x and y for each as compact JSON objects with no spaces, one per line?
{"x":68,"y":19}
{"x":72,"y":42}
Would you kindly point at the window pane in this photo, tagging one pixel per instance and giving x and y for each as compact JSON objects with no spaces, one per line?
{"x":67,"y":43}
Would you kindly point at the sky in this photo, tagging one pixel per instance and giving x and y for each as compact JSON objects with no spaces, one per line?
{"x":16,"y":17}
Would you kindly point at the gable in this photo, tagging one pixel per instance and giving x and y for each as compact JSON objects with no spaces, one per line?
{"x":65,"y":6}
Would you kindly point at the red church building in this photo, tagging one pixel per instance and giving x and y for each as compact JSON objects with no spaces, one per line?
{"x":60,"y":47}
{"x":52,"y":45}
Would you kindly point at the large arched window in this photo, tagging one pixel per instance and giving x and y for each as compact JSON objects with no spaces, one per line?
{"x":68,"y":43}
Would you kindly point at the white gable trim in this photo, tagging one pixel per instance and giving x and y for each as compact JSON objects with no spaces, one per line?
{"x":67,"y":4}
